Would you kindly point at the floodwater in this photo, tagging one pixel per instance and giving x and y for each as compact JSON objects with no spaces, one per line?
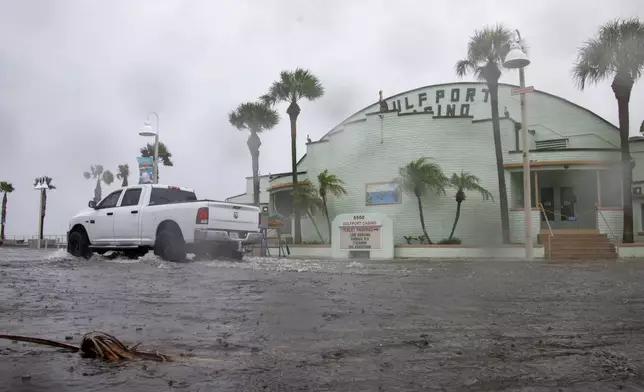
{"x":311,"y":325}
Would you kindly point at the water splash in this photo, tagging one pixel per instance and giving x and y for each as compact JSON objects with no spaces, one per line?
{"x":58,"y":255}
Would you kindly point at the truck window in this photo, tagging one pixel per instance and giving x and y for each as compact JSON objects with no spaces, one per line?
{"x":170,"y":196}
{"x":110,"y":201}
{"x":131,"y":197}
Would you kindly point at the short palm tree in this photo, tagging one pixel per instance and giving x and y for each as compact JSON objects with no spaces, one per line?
{"x":291,"y":87}
{"x":5,"y":188}
{"x":254,"y":117}
{"x":329,"y":184}
{"x":122,"y":173}
{"x":164,"y":154}
{"x":465,"y":182}
{"x":99,"y":175}
{"x":420,"y":178}
{"x":47,"y":181}
{"x":307,"y":200}
{"x":486,"y":52}
{"x":617,"y":53}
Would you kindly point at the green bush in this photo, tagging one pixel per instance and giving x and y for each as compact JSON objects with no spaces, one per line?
{"x":448,"y":241}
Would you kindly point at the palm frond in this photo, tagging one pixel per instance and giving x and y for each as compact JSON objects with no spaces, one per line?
{"x":254,"y":116}
{"x":330,"y":184}
{"x":293,"y":86}
{"x":107,"y":177}
{"x":486,"y":51}
{"x":6,"y":187}
{"x":420,"y":177}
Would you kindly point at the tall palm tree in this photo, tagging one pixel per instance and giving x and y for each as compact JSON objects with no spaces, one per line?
{"x":254,"y":117}
{"x":329,"y":184}
{"x":307,"y":200}
{"x":465,"y":182}
{"x":99,"y":175}
{"x":164,"y":154}
{"x":419,"y":178}
{"x":486,"y":52}
{"x":5,"y":188}
{"x":47,"y":181}
{"x":291,"y":87}
{"x":617,"y":53}
{"x":123,"y":172}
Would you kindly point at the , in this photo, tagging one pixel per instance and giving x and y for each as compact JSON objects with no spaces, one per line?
{"x":167,"y":219}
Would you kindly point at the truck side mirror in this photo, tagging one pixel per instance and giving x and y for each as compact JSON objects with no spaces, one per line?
{"x":92,"y":204}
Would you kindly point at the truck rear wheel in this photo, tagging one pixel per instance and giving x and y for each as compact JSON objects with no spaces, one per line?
{"x":78,"y":245}
{"x":170,"y":246}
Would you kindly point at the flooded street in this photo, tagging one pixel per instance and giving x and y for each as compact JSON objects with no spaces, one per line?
{"x":311,"y":325}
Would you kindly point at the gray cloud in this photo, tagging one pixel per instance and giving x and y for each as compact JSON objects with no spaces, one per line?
{"x":77,"y":79}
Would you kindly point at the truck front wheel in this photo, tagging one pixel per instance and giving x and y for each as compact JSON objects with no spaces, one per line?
{"x":169,"y":246}
{"x":78,"y":245}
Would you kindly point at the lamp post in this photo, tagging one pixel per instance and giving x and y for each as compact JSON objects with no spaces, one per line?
{"x":517,"y":58}
{"x":40,"y":186}
{"x":147,"y":130}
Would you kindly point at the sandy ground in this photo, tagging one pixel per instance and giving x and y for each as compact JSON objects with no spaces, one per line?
{"x":312,"y":325}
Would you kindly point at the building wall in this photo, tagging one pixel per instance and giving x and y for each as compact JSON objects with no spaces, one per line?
{"x":370,"y":147}
{"x":247,"y":197}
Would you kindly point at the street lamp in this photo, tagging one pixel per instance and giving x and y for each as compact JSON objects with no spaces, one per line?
{"x":517,"y":58}
{"x":146,"y":130}
{"x":40,"y":186}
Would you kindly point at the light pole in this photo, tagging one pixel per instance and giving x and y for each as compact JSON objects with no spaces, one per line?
{"x":517,"y":58}
{"x":147,"y":130}
{"x":40,"y":186}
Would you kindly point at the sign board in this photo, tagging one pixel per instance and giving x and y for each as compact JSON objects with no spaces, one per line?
{"x":359,"y":234}
{"x":276,"y":221}
{"x":146,"y":170}
{"x":525,"y":90}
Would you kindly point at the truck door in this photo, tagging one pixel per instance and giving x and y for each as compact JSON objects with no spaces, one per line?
{"x":101,"y":223}
{"x":126,"y":218}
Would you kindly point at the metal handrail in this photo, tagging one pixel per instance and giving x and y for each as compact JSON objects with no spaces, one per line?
{"x":615,"y":237}
{"x":543,"y":211}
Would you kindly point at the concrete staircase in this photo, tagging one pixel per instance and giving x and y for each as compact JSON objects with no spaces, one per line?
{"x":577,"y":245}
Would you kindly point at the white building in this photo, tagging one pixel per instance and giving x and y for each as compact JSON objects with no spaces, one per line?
{"x":575,"y":163}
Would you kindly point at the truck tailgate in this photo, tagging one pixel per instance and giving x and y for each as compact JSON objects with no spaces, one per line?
{"x":230,"y":216}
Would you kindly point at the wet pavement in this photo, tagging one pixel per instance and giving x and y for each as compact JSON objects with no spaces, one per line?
{"x":312,"y":325}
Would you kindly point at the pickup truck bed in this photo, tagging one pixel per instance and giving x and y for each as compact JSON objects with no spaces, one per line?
{"x":169,"y":220}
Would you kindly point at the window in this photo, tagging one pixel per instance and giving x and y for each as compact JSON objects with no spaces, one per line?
{"x":642,"y":216}
{"x":110,"y":201}
{"x":170,"y":196}
{"x":131,"y":197}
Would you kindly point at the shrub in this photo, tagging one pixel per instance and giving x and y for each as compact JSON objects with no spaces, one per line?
{"x":448,"y":241}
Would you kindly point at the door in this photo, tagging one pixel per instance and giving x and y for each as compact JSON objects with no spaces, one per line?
{"x":568,"y":203}
{"x":547,"y":199}
{"x":126,"y":218}
{"x":101,"y":223}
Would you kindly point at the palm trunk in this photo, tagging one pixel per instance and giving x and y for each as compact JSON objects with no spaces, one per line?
{"x":3,"y":217}
{"x":422,"y":220}
{"x":124,"y":184}
{"x":294,"y":111}
{"x":253,"y":145}
{"x":98,"y":192}
{"x":458,"y":215}
{"x":326,"y":213}
{"x":308,"y":213}
{"x":500,"y":170}
{"x":43,"y":209}
{"x":623,"y":94}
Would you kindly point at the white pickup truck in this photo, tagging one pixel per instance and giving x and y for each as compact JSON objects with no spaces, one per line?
{"x":168,"y":219}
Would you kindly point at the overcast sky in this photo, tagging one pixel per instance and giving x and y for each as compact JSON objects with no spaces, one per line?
{"x":77,"y":78}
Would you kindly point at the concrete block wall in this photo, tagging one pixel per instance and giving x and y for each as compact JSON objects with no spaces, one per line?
{"x":612,"y":219}
{"x":517,"y":227}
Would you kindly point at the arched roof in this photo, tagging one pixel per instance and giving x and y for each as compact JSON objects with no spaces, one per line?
{"x":480,"y":83}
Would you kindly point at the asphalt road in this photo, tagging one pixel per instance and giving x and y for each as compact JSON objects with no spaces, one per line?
{"x":310,"y":325}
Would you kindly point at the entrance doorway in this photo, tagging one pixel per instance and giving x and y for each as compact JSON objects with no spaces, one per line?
{"x":568,"y":198}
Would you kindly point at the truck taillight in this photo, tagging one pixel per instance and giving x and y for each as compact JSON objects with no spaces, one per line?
{"x":202,"y":216}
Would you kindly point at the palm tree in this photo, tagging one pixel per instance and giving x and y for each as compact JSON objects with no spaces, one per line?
{"x":329,"y":184}
{"x":254,"y":117}
{"x":486,"y":52}
{"x":123,"y":172}
{"x":47,"y":181}
{"x":419,"y":178}
{"x":617,"y":53}
{"x":5,"y":188}
{"x":291,"y":87}
{"x":164,"y":154}
{"x":98,"y":174}
{"x":307,"y":200}
{"x":465,"y":182}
